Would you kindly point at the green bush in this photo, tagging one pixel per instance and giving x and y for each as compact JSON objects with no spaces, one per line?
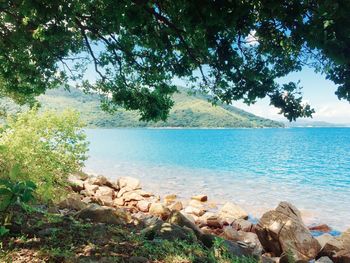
{"x":45,"y":148}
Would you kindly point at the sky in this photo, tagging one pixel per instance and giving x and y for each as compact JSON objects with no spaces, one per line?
{"x":317,"y":91}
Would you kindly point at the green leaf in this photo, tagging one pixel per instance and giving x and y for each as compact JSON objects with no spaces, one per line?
{"x":3,"y":231}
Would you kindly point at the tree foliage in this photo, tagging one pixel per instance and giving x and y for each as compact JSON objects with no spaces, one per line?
{"x":43,"y":148}
{"x":230,"y":49}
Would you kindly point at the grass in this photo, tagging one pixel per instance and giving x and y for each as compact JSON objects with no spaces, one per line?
{"x":46,"y":237}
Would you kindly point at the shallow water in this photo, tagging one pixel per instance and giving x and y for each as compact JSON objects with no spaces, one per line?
{"x":255,"y":168}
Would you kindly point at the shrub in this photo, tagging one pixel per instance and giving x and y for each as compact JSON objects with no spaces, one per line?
{"x":45,"y":148}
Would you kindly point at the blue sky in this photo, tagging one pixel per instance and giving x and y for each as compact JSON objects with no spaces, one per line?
{"x":317,"y":91}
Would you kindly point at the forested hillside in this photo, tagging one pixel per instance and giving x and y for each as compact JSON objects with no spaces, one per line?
{"x":188,"y":111}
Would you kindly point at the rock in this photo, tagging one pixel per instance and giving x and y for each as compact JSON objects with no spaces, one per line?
{"x":177,"y":206}
{"x":138,"y":260}
{"x":103,"y":214}
{"x":194,"y":211}
{"x":241,"y":224}
{"x":119,"y":201}
{"x":143,"y":205}
{"x":201,"y":198}
{"x":129,"y":182}
{"x":230,"y":233}
{"x":231,"y":211}
{"x":160,"y":210}
{"x":143,"y":193}
{"x":323,"y":239}
{"x":104,"y":200}
{"x":132,"y":196}
{"x":170,"y":198}
{"x":179,"y":219}
{"x":321,"y":228}
{"x":324,"y":260}
{"x":196,"y":203}
{"x":168,"y":231}
{"x":206,"y":230}
{"x":86,"y":199}
{"x":76,"y":183}
{"x":266,"y":258}
{"x":104,"y":196}
{"x":104,"y":191}
{"x":90,"y":189}
{"x":189,"y":217}
{"x":337,"y":249}
{"x":233,"y":248}
{"x":99,"y":180}
{"x":282,"y":230}
{"x":72,"y":202}
{"x":123,"y":191}
{"x":213,"y":222}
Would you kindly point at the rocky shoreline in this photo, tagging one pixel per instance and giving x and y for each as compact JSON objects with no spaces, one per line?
{"x":279,"y":236}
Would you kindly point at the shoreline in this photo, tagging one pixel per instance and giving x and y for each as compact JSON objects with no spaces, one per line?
{"x":256,"y":205}
{"x":213,"y":206}
{"x":279,"y":232}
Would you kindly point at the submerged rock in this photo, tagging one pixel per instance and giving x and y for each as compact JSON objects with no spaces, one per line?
{"x":283,"y":231}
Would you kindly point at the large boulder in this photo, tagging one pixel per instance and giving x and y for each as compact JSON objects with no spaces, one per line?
{"x":282,"y":231}
{"x":231,"y":211}
{"x":103,"y":214}
{"x":337,"y":249}
{"x":324,"y":239}
{"x":129,"y":182}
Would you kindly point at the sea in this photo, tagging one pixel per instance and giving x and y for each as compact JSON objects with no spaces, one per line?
{"x":255,"y":168}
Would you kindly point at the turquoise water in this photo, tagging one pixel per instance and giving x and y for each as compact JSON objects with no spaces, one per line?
{"x":256,"y":168}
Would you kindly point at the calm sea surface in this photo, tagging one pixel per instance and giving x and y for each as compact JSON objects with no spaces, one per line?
{"x":255,"y":168}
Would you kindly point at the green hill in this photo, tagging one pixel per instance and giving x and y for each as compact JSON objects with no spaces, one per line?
{"x":188,"y":111}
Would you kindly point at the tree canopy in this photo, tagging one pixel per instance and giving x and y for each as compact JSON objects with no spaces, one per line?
{"x":233,"y":49}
